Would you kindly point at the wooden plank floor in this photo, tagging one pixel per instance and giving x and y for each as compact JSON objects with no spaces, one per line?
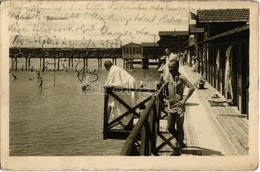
{"x":209,"y":130}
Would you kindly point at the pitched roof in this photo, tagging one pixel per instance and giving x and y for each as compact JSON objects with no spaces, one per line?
{"x":194,"y":29}
{"x":149,"y":44}
{"x":162,"y":33}
{"x":131,"y":44}
{"x":223,"y":15}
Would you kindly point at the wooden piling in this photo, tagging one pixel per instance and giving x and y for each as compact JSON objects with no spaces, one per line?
{"x":69,"y":63}
{"x":54,"y":60}
{"x":58,"y":63}
{"x":43,"y":64}
{"x":25,"y":63}
{"x":29,"y":62}
{"x":105,"y":122}
{"x":84,"y":63}
{"x":40,"y":63}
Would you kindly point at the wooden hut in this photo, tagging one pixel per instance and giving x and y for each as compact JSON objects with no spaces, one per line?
{"x":130,"y":52}
{"x":225,"y":48}
{"x":176,"y":40}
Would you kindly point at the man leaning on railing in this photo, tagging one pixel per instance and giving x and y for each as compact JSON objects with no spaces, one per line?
{"x":118,"y":77}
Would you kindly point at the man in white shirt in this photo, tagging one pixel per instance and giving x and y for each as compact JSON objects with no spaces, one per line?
{"x":118,"y":77}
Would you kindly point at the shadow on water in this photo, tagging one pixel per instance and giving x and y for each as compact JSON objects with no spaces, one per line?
{"x":195,"y":150}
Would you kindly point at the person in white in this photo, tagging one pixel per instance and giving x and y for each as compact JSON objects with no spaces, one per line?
{"x":228,"y":75}
{"x":120,"y":78}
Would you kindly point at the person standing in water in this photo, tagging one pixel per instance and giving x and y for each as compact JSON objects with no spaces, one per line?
{"x":40,"y":83}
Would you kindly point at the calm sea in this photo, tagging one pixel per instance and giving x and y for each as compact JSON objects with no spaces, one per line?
{"x":59,"y":120}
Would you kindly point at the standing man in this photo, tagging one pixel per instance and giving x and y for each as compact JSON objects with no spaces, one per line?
{"x":121,"y":78}
{"x":164,"y":69}
{"x":176,"y":102}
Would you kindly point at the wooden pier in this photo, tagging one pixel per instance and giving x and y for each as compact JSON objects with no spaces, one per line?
{"x":56,"y":54}
{"x":209,"y":130}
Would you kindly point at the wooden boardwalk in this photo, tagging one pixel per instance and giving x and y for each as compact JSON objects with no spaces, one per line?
{"x":209,"y":130}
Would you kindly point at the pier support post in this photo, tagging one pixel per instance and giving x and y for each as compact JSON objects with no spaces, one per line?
{"x":58,"y":63}
{"x":84,"y":63}
{"x":43,"y":64}
{"x":25,"y":63}
{"x":40,"y":63}
{"x":29,"y":62}
{"x":69,"y":63}
{"x":105,"y":114}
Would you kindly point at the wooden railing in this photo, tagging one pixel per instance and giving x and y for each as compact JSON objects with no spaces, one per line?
{"x":142,"y":139}
{"x":108,"y":131}
{"x":147,"y":125}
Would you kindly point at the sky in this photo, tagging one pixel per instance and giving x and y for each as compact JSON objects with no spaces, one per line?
{"x":83,"y":24}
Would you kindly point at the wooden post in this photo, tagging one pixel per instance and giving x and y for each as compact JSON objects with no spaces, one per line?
{"x":84,"y":63}
{"x":105,"y":122}
{"x":223,"y":57}
{"x":29,"y":62}
{"x":145,"y":147}
{"x":58,"y":63}
{"x":40,"y":63}
{"x":69,"y":63}
{"x":25,"y":63}
{"x":124,"y":64}
{"x":43,"y":64}
{"x":54,"y":59}
{"x":153,"y":126}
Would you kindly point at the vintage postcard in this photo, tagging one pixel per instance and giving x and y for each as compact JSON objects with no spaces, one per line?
{"x":129,"y":85}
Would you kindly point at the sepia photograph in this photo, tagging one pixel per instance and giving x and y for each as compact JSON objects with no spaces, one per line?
{"x":129,"y":85}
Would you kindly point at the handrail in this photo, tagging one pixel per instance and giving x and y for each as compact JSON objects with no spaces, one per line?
{"x":140,"y":123}
{"x":109,"y":92}
{"x":115,"y":88}
{"x":147,"y":126}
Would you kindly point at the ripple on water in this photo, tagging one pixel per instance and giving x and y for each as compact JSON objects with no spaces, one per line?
{"x":58,"y":121}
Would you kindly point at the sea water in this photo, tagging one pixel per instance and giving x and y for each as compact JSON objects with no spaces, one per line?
{"x":59,"y":119}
